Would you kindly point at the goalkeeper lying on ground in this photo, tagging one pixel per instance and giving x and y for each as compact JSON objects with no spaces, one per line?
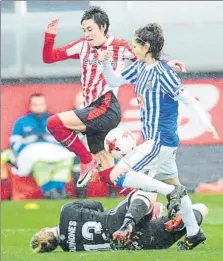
{"x":86,"y":226}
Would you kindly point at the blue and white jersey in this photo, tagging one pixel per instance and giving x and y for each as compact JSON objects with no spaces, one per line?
{"x":157,"y":88}
{"x":29,"y":129}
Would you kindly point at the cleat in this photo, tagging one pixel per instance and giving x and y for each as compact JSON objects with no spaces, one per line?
{"x":191,"y":242}
{"x":86,"y":172}
{"x":174,"y":224}
{"x":174,"y":200}
{"x":122,"y":236}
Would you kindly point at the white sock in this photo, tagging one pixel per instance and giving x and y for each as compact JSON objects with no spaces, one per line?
{"x":137,"y":180}
{"x":188,"y":217}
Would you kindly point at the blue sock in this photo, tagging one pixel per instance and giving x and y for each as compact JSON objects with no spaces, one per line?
{"x":138,"y":180}
{"x":120,"y":180}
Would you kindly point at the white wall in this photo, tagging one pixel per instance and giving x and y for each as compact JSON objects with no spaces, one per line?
{"x":193,"y":33}
{"x":177,"y":12}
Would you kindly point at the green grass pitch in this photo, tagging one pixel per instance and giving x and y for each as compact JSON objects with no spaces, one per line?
{"x":18,"y":226}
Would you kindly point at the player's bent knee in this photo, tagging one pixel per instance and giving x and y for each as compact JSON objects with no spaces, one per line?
{"x":173,"y":181}
{"x":53,"y":122}
{"x":71,"y":121}
{"x":149,"y":198}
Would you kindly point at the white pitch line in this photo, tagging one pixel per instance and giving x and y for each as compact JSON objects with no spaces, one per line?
{"x":19,"y":229}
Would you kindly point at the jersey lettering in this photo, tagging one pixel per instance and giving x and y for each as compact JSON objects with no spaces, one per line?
{"x":91,"y":228}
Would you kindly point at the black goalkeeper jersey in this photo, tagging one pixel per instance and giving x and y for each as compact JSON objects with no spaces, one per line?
{"x":85,"y":226}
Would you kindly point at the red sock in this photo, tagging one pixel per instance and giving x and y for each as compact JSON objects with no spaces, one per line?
{"x":105,"y":177}
{"x":68,"y":138}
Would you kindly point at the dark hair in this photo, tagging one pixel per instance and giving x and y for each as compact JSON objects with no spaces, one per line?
{"x":98,"y":15}
{"x":44,"y":242}
{"x":152,"y":34}
{"x":36,"y":94}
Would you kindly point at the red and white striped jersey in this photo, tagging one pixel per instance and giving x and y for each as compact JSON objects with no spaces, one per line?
{"x":93,"y":82}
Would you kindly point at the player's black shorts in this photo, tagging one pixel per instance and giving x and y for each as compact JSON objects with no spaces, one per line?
{"x":100,"y":117}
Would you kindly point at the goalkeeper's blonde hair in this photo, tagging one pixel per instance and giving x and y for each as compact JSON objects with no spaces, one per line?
{"x":44,"y":242}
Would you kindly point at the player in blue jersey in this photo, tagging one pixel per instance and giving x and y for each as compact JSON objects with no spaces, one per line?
{"x":158,"y":89}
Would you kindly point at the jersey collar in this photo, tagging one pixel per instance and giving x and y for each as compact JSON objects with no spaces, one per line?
{"x":109,"y":40}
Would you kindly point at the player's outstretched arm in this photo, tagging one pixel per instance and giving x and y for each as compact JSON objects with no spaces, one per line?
{"x":177,"y":65}
{"x":189,"y":100}
{"x":115,"y":78}
{"x":51,"y":54}
{"x":171,"y":84}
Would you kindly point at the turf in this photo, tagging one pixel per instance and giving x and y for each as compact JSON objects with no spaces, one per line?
{"x":18,"y":226}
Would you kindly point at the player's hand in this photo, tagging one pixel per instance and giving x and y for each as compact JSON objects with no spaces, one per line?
{"x":211,"y":128}
{"x":52,"y":28}
{"x":175,"y":64}
{"x":104,"y":55}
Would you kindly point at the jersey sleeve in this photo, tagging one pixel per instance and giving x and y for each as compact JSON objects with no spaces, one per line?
{"x":128,"y":54}
{"x":68,"y":51}
{"x":171,"y":84}
{"x":16,"y":138}
{"x":130,"y":73}
{"x":89,"y":204}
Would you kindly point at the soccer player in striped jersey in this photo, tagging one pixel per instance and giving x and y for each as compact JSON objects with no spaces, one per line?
{"x":102,"y":110}
{"x":158,"y":89}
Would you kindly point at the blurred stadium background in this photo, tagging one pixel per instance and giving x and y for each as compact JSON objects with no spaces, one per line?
{"x":193,"y":32}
